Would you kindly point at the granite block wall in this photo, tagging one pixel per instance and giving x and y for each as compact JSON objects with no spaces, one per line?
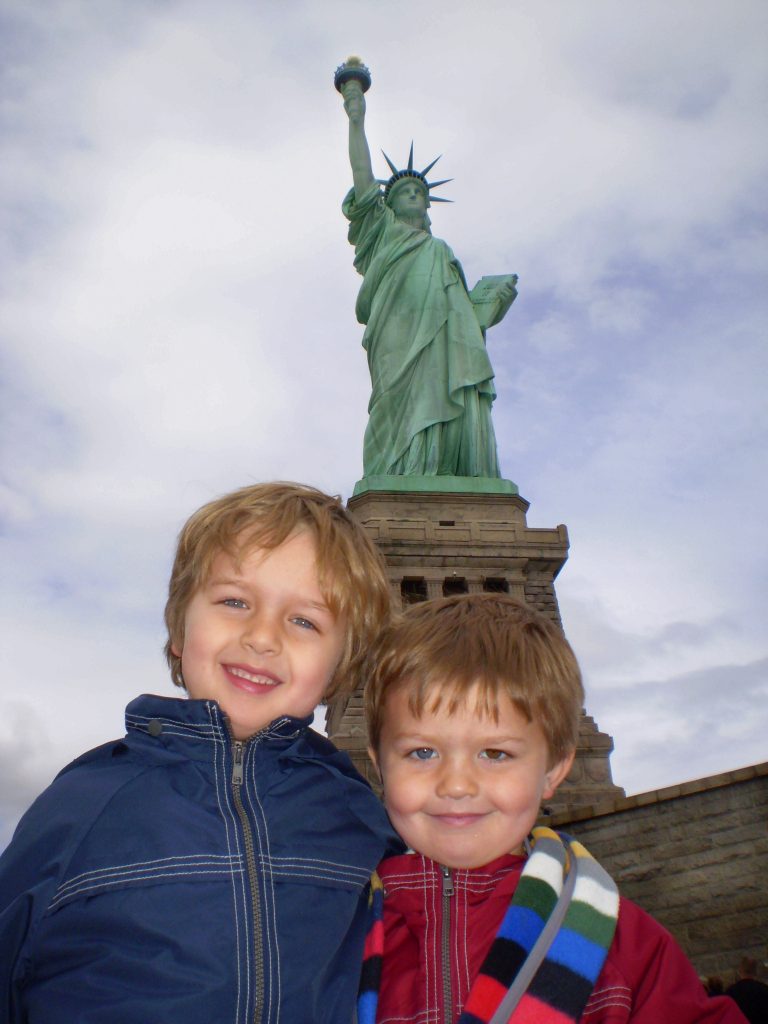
{"x":695,"y":856}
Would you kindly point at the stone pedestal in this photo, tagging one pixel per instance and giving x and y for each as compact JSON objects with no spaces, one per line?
{"x":589,"y":780}
{"x":445,"y":543}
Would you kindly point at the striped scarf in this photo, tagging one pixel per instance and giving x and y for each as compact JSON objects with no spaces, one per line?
{"x":548,"y":952}
{"x":373,"y":954}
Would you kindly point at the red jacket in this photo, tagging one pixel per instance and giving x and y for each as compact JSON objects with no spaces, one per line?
{"x":646,"y":978}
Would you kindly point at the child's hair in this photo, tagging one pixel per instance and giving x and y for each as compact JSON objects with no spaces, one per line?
{"x":350,"y":569}
{"x":439,"y":649}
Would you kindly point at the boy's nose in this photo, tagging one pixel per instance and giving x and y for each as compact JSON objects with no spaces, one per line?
{"x":457,"y":780}
{"x":261,"y":634}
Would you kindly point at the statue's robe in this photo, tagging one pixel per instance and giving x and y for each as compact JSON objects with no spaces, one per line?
{"x":431,"y":378}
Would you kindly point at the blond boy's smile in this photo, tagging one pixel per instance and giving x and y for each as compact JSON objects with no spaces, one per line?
{"x":249,"y":680}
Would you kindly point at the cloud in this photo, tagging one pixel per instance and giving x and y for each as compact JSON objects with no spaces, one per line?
{"x":24,"y":768}
{"x":73,"y":657}
{"x":177,"y":319}
{"x":704,"y":719}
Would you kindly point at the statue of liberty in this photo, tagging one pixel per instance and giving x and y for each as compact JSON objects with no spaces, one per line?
{"x":431,"y":378}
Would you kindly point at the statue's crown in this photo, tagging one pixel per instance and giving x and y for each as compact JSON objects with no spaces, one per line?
{"x":411,"y":172}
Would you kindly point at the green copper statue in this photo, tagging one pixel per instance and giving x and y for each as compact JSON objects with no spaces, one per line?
{"x":432,"y":380}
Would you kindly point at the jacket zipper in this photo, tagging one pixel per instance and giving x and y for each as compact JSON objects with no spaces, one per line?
{"x":446,"y":944}
{"x":250,"y":858}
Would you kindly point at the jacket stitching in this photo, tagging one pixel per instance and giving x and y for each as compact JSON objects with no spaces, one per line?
{"x":422,"y":1015}
{"x":616,"y":996}
{"x":184,"y":733}
{"x":316,"y":876}
{"x":205,"y":858}
{"x":33,"y":929}
{"x":140,"y":722}
{"x":463,"y":956}
{"x":116,"y":882}
{"x":418,"y":884}
{"x":278,"y":864}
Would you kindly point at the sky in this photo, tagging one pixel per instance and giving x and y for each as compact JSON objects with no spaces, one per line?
{"x":177,"y":320}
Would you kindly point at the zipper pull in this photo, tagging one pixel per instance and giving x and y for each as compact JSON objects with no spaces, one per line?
{"x":237,"y":766}
{"x":447,"y":881}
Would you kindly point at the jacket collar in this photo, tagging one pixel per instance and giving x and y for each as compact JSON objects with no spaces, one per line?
{"x":411,"y":864}
{"x":190,"y":726}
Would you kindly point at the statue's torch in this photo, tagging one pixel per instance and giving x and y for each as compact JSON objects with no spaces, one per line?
{"x":352,"y":69}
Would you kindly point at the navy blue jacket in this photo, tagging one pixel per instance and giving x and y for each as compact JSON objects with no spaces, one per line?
{"x":181,"y":877}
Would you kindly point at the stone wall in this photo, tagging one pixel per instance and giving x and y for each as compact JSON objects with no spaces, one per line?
{"x":695,"y":856}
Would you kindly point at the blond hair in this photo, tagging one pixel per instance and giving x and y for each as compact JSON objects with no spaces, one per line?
{"x":350,"y":569}
{"x":440,"y":649}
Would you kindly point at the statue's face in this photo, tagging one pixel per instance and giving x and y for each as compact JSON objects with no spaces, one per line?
{"x":408,"y":199}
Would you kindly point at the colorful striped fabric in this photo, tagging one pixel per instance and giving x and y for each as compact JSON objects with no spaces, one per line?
{"x":373,"y":952}
{"x":553,"y":941}
{"x":548,"y":952}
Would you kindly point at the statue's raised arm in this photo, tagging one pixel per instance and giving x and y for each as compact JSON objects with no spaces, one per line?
{"x":432,"y":380}
{"x":359,"y":153}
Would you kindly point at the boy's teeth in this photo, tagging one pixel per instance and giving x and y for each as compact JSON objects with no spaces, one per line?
{"x":251,"y":678}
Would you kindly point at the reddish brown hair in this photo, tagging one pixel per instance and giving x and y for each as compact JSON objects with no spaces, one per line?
{"x":440,"y":649}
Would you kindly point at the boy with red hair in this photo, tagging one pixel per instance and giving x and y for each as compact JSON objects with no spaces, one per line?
{"x":473,"y":714}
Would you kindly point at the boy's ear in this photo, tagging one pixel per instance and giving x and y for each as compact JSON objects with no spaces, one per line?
{"x":374,"y":761}
{"x":556,"y":774}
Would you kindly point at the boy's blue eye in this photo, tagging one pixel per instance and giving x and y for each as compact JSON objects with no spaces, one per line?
{"x":234,"y":602}
{"x":422,"y":754}
{"x":304,"y":623}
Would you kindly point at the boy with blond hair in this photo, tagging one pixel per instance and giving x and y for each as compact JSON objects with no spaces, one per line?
{"x":473,"y":715}
{"x":213,"y":865}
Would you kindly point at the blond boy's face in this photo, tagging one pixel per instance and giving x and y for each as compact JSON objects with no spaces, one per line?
{"x":259,"y":637}
{"x":464,"y":789}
